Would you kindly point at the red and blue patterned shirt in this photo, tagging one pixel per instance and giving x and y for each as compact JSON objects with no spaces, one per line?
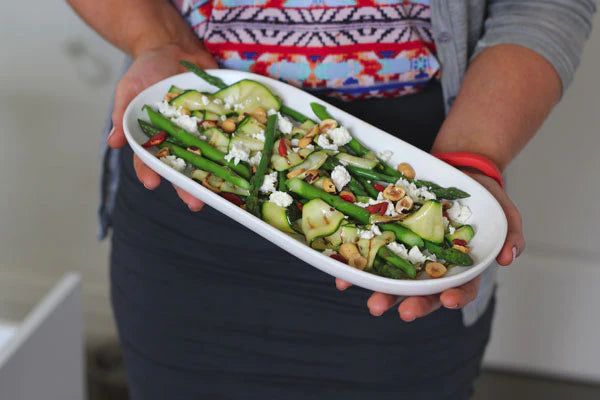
{"x":350,"y":49}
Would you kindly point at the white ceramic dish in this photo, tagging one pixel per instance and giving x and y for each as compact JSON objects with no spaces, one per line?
{"x":488,"y":218}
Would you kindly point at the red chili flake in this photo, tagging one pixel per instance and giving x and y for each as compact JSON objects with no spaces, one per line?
{"x":156,"y":139}
{"x":460,"y":242}
{"x":378,"y":187}
{"x":235,"y":199}
{"x":339,"y":258}
{"x":347,"y":197}
{"x":374,"y":208}
{"x":282,"y":148}
{"x":384,"y":207}
{"x":299,"y":206}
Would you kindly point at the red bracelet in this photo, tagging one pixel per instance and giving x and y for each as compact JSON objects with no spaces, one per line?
{"x":473,"y":160}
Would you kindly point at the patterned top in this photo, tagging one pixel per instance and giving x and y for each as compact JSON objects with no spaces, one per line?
{"x":351,"y":49}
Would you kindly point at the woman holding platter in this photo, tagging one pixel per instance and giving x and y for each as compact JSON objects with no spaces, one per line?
{"x":207,"y":308}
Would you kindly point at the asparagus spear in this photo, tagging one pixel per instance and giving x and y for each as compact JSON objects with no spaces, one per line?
{"x":258,"y":178}
{"x":213,"y":80}
{"x":296,"y":115}
{"x":387,"y":270}
{"x":188,"y":139}
{"x":207,"y":165}
{"x":150,"y":130}
{"x":309,"y":191}
{"x":370,"y":174}
{"x":452,"y":256}
{"x":403,"y":234}
{"x":392,"y":259}
{"x":281,"y":181}
{"x":372,"y":192}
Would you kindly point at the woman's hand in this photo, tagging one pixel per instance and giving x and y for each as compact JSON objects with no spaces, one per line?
{"x":456,"y":298}
{"x":148,"y":68}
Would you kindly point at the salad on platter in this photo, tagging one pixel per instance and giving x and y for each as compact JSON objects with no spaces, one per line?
{"x":310,"y":179}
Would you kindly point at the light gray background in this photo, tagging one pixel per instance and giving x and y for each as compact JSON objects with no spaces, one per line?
{"x":56,"y":79}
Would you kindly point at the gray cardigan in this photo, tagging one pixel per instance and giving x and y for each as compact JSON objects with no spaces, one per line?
{"x":556,"y":29}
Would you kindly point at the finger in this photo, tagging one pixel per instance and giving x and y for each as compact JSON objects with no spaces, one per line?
{"x":149,"y":178}
{"x":379,"y":303}
{"x":461,"y":296}
{"x":341,"y":284}
{"x":124,"y":93}
{"x":193,"y":203}
{"x":418,"y":306}
{"x":515,"y":240}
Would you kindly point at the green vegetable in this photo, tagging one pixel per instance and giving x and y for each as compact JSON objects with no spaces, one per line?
{"x":207,"y":165}
{"x":369,"y":248}
{"x":452,"y":256}
{"x":175,"y":89}
{"x":319,"y":220}
{"x":248,"y":95}
{"x":150,"y":130}
{"x":213,"y":80}
{"x":370,"y":174}
{"x":217,"y":139}
{"x":370,"y":189}
{"x":450,"y":193}
{"x":187,"y":139}
{"x":281,"y":181}
{"x":218,"y":183}
{"x":320,"y":111}
{"x":313,"y":161}
{"x":308,"y":191}
{"x":403,"y":234}
{"x":276,"y":216}
{"x":295,"y":115}
{"x":356,"y":161}
{"x":252,"y":203}
{"x":427,"y":222}
{"x":465,"y":233}
{"x":387,"y":270}
{"x":391,"y":258}
{"x":193,"y":101}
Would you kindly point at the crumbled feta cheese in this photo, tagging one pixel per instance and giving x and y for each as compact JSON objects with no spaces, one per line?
{"x":255,"y":159}
{"x":417,"y":194}
{"x":369,"y":233}
{"x":239,"y":152}
{"x":174,"y":162}
{"x":343,"y":162}
{"x":259,"y":136}
{"x":223,"y":117}
{"x":271,"y":112}
{"x":227,"y":106}
{"x":324,"y":142}
{"x":269,"y":182}
{"x":459,"y":213}
{"x":375,"y":229}
{"x":339,"y":136}
{"x":385,"y":155}
{"x":414,"y":256}
{"x":295,"y":142}
{"x":166,"y":109}
{"x":204,"y":100}
{"x":284,"y":124}
{"x":187,"y":123}
{"x":446,"y":222}
{"x":217,"y":101}
{"x":340,"y":177}
{"x":282,"y":199}
{"x":310,"y":146}
{"x":329,"y":252}
{"x":451,"y":229}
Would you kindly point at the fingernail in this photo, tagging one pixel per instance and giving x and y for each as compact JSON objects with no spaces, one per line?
{"x":111,"y":133}
{"x":410,"y":320}
{"x":453,"y":306}
{"x":514,"y":251}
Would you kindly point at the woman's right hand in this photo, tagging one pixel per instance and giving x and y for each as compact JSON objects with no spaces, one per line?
{"x":148,"y":68}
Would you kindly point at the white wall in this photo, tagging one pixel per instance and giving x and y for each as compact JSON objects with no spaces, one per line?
{"x":548,"y":320}
{"x":56,"y":78}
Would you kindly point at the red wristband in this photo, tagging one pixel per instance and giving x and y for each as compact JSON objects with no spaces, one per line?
{"x":473,"y":160}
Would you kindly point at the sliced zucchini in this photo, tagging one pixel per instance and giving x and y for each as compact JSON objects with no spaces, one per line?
{"x":349,"y":234}
{"x":217,"y":139}
{"x":319,"y":219}
{"x":282,"y":163}
{"x":427,"y":222}
{"x":357,"y":161}
{"x":276,"y":216}
{"x":218,"y":183}
{"x":314,"y":161}
{"x":369,"y":247}
{"x":193,"y":100}
{"x":210,"y":116}
{"x":250,"y":126}
{"x":247,"y":95}
{"x":175,"y":89}
{"x":249,"y":142}
{"x":465,"y":233}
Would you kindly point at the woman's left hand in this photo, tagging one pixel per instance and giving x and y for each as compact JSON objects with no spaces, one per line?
{"x":455,"y":298}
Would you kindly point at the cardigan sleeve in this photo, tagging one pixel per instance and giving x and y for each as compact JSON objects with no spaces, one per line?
{"x":555,"y":29}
